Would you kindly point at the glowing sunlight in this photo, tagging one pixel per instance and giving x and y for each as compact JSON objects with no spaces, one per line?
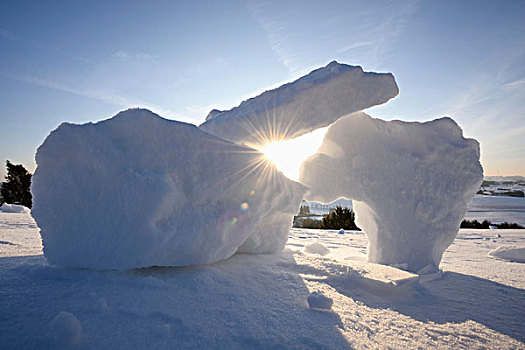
{"x":288,"y":155}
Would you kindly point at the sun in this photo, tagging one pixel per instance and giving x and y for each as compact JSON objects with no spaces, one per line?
{"x":288,"y":155}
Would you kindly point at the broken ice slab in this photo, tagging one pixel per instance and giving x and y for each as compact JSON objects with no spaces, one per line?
{"x":311,"y":102}
{"x":383,"y":276}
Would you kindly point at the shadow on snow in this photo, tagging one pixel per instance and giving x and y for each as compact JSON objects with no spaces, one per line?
{"x":454,"y":298}
{"x":247,"y":301}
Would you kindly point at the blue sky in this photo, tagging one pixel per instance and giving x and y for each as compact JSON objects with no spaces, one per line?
{"x":81,"y":61}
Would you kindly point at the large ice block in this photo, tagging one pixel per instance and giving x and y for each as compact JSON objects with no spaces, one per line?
{"x":138,"y":190}
{"x":311,"y":102}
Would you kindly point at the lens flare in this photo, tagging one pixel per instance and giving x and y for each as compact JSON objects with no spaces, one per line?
{"x":288,"y":155}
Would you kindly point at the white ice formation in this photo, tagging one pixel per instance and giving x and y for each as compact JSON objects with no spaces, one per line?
{"x":138,"y":190}
{"x":411,"y":183}
{"x":311,"y":102}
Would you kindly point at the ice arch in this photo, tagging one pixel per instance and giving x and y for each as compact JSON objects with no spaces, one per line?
{"x":411,"y":183}
{"x":138,"y":190}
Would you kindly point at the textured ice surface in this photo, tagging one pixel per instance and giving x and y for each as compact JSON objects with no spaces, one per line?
{"x":311,"y":102}
{"x":138,"y":190}
{"x":411,"y":183}
{"x":14,"y":208}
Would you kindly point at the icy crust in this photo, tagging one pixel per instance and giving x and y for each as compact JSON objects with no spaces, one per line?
{"x":138,"y":190}
{"x":311,"y":102}
{"x":411,"y":183}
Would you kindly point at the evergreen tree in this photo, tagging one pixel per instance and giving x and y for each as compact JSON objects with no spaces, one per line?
{"x":340,"y":218}
{"x":15,"y":190}
{"x":304,"y":211}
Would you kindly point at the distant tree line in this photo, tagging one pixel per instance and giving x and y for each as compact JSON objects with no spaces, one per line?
{"x":343,"y":217}
{"x":16,"y":187}
{"x":486,"y":225}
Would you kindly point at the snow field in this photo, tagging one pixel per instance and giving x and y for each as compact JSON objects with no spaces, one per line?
{"x":261,"y":301}
{"x":497,"y":209}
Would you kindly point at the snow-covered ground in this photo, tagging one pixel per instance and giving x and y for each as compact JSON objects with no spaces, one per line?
{"x":497,"y":209}
{"x":261,"y":301}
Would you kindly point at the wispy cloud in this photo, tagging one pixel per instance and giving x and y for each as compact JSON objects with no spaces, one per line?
{"x":514,"y":84}
{"x":141,"y":56}
{"x":492,"y":111}
{"x":302,"y":42}
{"x":354,"y":46}
{"x":276,"y":32}
{"x":109,"y":96}
{"x":117,"y":79}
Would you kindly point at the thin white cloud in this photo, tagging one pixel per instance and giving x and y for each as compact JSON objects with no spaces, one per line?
{"x":276,"y":33}
{"x":492,"y":112}
{"x":354,"y":46}
{"x":369,"y":30}
{"x":141,"y":56}
{"x":515,"y":84}
{"x":112,"y":80}
{"x":105,"y":95}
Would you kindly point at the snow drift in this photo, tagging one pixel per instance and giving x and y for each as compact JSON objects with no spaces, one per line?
{"x":138,"y":190}
{"x":411,"y":183}
{"x":516,"y":254}
{"x":316,"y":248}
{"x":311,"y":102}
{"x":14,"y":208}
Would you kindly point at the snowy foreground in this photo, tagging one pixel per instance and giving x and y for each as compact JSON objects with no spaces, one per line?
{"x":261,"y":301}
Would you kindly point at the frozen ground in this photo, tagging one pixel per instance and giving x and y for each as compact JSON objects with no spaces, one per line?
{"x":260,"y":301}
